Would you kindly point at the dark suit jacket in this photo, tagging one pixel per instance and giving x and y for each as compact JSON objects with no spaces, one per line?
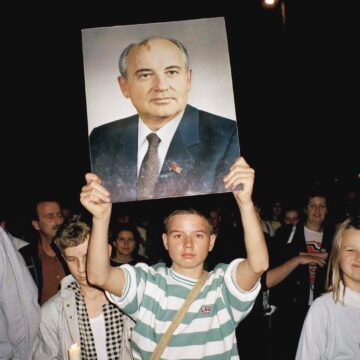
{"x":204,"y":146}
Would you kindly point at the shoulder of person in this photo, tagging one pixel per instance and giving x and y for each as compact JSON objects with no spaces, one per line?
{"x":110,"y":126}
{"x":283,"y":232}
{"x":19,"y":243}
{"x":28,"y":251}
{"x":323,"y":303}
{"x":52,"y":307}
{"x":64,"y":295}
{"x":65,"y":290}
{"x":217,"y":120}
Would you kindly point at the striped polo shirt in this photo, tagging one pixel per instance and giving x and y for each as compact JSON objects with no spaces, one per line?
{"x":152,"y":296}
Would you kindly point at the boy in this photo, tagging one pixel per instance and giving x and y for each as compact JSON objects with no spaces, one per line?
{"x":153,"y":295}
{"x":79,"y":312}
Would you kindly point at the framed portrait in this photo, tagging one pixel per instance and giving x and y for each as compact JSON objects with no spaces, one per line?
{"x":172,"y":79}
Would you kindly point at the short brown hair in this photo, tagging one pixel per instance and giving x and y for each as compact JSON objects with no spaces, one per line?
{"x":72,"y":232}
{"x":188,"y":212}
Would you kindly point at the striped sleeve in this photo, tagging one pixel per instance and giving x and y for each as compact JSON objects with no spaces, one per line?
{"x":238,"y":301}
{"x":134,"y":288}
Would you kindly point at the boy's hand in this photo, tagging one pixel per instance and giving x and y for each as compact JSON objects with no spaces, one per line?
{"x":240,"y":180}
{"x":95,"y":198}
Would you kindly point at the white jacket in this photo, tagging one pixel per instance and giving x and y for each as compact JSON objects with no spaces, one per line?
{"x":59,"y":327}
{"x":19,"y":309}
{"x":332,"y":330}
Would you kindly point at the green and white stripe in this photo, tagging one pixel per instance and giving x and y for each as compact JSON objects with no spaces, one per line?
{"x":153,"y":295}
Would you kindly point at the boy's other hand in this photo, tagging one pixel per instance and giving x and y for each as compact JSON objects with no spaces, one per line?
{"x":240,"y":180}
{"x":95,"y":198}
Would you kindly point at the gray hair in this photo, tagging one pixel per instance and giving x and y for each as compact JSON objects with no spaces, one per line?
{"x":125,"y":53}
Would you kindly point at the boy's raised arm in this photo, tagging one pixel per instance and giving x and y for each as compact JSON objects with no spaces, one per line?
{"x":249,"y":271}
{"x":96,"y":199}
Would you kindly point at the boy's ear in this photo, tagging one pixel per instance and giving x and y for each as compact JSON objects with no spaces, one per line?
{"x":212,"y":242}
{"x":35,"y":225}
{"x":165,"y":241}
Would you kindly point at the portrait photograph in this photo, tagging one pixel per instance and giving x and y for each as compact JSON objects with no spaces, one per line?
{"x":160,"y":108}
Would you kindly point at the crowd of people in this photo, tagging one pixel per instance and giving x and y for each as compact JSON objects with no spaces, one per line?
{"x":197,"y":282}
{"x":58,"y":288}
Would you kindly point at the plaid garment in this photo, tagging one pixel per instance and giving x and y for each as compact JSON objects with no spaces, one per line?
{"x":113,"y":325}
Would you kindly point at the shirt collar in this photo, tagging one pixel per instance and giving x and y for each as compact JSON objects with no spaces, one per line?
{"x":165,"y":133}
{"x":182,"y":279}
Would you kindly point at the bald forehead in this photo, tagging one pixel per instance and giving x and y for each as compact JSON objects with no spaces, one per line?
{"x":162,"y":45}
{"x":149,"y":44}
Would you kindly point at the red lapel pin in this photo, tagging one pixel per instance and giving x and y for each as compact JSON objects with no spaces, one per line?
{"x":175,"y":167}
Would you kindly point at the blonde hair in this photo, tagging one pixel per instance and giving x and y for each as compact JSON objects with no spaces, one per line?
{"x":72,"y":232}
{"x":334,"y":274}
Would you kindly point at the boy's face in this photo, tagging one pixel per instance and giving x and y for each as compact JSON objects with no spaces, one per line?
{"x":188,"y":241}
{"x":75,"y":258}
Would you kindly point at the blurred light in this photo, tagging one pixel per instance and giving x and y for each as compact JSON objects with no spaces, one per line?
{"x":269,"y":3}
{"x":283,"y":13}
{"x":272,"y":4}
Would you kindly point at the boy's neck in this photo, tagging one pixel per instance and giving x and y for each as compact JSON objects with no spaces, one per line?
{"x":193,"y":273}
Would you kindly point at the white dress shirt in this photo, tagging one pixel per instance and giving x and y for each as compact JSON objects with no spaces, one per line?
{"x":165,"y":133}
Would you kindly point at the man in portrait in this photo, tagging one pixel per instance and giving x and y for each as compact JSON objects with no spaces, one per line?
{"x":169,"y":148}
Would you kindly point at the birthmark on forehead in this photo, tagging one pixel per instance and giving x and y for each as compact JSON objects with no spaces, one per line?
{"x":147,"y":45}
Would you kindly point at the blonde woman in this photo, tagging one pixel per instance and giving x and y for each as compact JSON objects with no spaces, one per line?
{"x":332,"y":327}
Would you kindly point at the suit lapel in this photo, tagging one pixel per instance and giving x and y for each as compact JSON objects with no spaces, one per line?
{"x":126,"y":158}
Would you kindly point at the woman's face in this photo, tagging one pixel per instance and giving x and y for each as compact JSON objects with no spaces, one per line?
{"x":125,"y":243}
{"x":316,"y":210}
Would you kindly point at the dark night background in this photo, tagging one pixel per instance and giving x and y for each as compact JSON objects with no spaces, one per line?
{"x":295,"y":94}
